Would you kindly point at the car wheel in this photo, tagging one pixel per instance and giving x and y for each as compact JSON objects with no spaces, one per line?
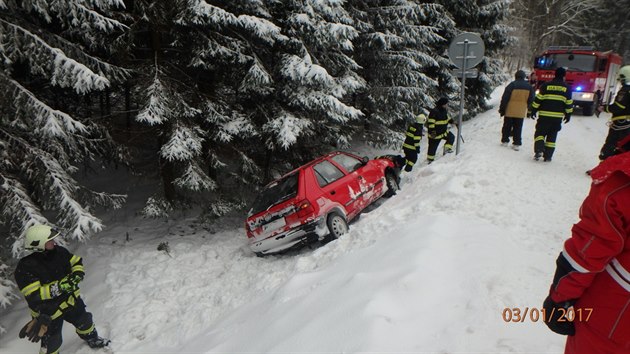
{"x":337,"y":226}
{"x":392,"y":184}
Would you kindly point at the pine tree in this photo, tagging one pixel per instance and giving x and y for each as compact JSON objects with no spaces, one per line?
{"x":48,"y":65}
{"x":401,"y":51}
{"x":483,"y":17}
{"x":202,"y":59}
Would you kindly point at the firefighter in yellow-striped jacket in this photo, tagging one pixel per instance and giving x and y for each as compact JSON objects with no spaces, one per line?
{"x":553,"y":104}
{"x":619,"y":125}
{"x":437,"y":129}
{"x":411,"y":145}
{"x":49,"y":280}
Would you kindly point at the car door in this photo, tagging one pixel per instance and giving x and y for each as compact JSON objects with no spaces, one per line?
{"x":337,"y":186}
{"x":366,"y":180}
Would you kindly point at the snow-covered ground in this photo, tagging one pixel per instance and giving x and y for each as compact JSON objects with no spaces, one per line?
{"x":430,"y":270}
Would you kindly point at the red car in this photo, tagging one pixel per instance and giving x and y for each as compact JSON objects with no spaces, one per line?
{"x":316,"y":201}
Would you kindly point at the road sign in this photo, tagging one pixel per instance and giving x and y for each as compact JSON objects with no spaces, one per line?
{"x":470,"y":73}
{"x":467,"y":50}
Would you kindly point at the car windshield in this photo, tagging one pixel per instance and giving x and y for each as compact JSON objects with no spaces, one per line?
{"x":573,"y":62}
{"x":276,"y":193}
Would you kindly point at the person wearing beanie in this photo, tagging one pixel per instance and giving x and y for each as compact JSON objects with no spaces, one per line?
{"x":553,"y":104}
{"x":515,"y":102}
{"x":437,"y":129}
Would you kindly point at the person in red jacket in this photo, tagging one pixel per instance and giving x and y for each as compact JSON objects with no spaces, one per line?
{"x":589,"y":299}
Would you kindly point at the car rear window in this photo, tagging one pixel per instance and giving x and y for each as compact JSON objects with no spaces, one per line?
{"x":276,"y":193}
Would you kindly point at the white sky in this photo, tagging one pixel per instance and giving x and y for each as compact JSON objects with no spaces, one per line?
{"x":427,"y":271}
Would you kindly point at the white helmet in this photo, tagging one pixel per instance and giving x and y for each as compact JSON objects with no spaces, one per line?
{"x":37,"y":236}
{"x":624,"y":75}
{"x":421,"y":118}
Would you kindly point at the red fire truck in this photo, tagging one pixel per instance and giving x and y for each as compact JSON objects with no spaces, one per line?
{"x":592,"y":74}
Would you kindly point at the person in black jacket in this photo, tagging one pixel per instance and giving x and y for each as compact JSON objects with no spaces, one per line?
{"x":554,"y":104}
{"x":619,"y":126}
{"x":437,"y":129}
{"x":49,"y":280}
{"x":515,"y":102}
{"x":411,"y":145}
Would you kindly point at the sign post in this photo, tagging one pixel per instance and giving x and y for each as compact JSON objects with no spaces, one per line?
{"x":465,"y":51}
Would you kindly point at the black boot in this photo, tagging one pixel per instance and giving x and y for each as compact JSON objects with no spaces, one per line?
{"x":94,"y":341}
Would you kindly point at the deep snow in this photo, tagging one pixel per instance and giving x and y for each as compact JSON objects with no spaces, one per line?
{"x":428,"y":271}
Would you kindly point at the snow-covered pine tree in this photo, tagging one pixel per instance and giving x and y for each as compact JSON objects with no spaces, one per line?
{"x":315,"y":75}
{"x":194,"y":59}
{"x":483,"y":17}
{"x":401,"y":51}
{"x":47,"y":65}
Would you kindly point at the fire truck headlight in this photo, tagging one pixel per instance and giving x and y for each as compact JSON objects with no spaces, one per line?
{"x":583,"y":96}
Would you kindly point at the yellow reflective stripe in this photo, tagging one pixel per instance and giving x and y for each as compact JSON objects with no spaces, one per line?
{"x":409,"y":146}
{"x":535,"y":105}
{"x":56,"y":315}
{"x":570,"y":101}
{"x":441,"y":122}
{"x":30,"y":288}
{"x":550,"y":144}
{"x":448,"y":146}
{"x":44,"y":292}
{"x":538,"y":138}
{"x":553,"y":97}
{"x":86,"y":331}
{"x":620,"y":105}
{"x":619,"y":118}
{"x":430,"y":157}
{"x":551,"y":114}
{"x":78,"y":268}
{"x":409,"y":134}
{"x":74,"y":259}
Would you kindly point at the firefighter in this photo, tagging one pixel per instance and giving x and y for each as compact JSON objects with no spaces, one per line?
{"x":619,"y":125}
{"x":589,"y":297}
{"x":515,"y":102}
{"x":411,"y":145}
{"x":553,"y":104}
{"x":437,"y":129}
{"x":49,"y":279}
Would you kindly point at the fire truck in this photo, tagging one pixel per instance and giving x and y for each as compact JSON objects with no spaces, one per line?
{"x":591,"y":74}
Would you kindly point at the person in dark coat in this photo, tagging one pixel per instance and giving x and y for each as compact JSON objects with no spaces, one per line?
{"x":515,"y":102}
{"x":553,"y":104}
{"x":619,"y":126}
{"x":411,"y":145}
{"x":437,"y":129}
{"x":49,"y":280}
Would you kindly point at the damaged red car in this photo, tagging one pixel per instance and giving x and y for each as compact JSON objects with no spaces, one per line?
{"x":316,"y":201}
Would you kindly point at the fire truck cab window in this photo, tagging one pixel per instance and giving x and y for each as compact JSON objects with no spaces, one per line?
{"x":602,"y":64}
{"x":573,"y":62}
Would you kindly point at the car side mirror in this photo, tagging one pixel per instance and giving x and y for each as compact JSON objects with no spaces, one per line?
{"x":365,"y":160}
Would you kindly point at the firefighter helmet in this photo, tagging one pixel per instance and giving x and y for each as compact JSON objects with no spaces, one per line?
{"x":624,"y":75}
{"x":421,"y":118}
{"x":37,"y":236}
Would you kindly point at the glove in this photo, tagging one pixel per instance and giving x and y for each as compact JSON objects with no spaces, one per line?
{"x":76,"y":277}
{"x":431,"y":134}
{"x":69,"y":283}
{"x":556,"y":314}
{"x":567,"y":118}
{"x":36,"y":328}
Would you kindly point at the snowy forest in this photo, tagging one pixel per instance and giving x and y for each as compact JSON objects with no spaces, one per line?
{"x":213,"y":99}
